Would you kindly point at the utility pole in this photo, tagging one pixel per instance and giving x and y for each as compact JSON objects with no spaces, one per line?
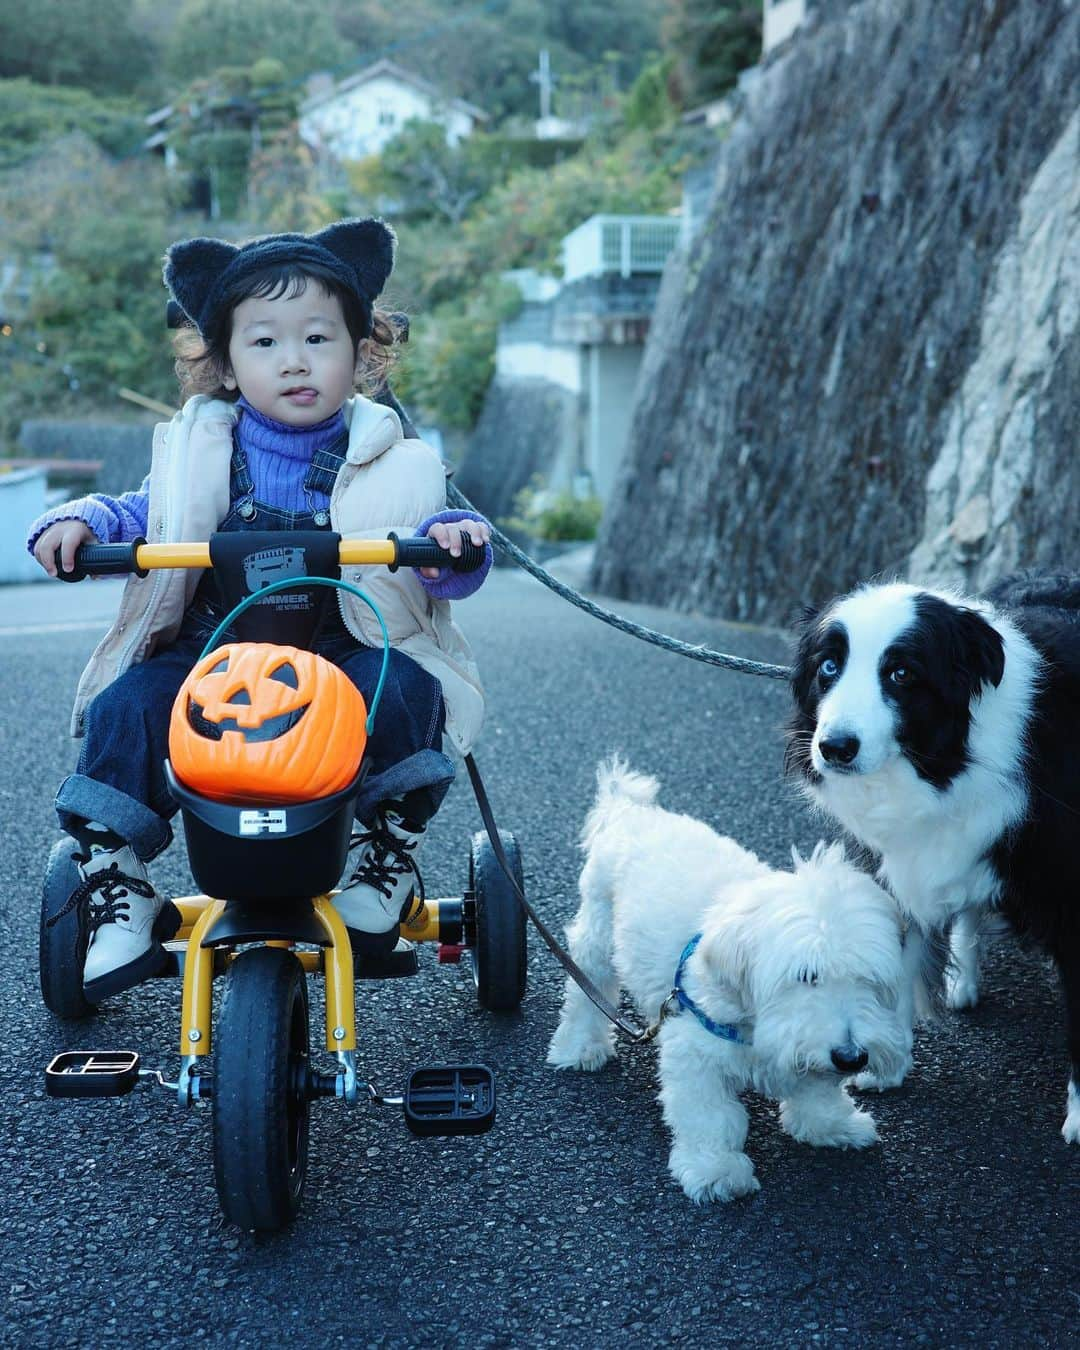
{"x":542,"y":77}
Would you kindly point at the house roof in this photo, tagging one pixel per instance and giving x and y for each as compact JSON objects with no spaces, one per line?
{"x":386,"y":67}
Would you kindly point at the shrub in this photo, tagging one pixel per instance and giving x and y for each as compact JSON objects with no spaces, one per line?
{"x":553,"y":517}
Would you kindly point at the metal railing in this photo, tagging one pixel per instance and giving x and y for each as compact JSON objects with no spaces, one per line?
{"x":622,"y":244}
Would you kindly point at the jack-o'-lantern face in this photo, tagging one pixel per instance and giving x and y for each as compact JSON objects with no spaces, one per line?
{"x":255,"y":722}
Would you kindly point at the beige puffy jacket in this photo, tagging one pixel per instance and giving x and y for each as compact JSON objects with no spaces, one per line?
{"x":386,"y":483}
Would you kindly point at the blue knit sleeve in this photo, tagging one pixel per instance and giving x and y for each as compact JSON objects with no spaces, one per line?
{"x":451,"y":585}
{"x":115,"y":520}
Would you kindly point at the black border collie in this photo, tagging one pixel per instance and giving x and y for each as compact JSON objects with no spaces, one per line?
{"x":944,"y":733}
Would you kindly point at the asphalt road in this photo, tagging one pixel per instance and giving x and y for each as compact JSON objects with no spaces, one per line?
{"x":560,"y":1227}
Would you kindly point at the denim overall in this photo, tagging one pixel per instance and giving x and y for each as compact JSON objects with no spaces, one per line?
{"x":119,"y":781}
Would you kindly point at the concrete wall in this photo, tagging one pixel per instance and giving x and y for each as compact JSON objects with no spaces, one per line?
{"x":528,"y":428}
{"x":525,"y":350}
{"x":573,"y":361}
{"x":534,"y":360}
{"x":123,"y":449}
{"x":612,"y":382}
{"x":600,"y":379}
{"x":22,"y":499}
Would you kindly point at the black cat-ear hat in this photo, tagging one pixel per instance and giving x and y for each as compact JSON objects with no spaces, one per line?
{"x":200,"y":272}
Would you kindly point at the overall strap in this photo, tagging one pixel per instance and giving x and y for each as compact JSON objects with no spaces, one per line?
{"x":326,"y":463}
{"x":241,"y":483}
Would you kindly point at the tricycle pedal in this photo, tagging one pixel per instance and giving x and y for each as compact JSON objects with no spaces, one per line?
{"x":92,"y":1073}
{"x":450,"y":1099}
{"x":173,"y":963}
{"x":374,"y":965}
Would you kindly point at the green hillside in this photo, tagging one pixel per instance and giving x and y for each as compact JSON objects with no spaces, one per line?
{"x":86,"y":212}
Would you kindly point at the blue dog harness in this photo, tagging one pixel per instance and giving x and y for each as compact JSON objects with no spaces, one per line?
{"x":727,"y":1031}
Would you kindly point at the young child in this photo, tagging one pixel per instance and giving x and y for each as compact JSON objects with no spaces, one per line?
{"x":273,"y":436}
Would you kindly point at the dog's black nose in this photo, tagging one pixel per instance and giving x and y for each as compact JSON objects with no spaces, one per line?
{"x":849,"y":1060}
{"x":839,"y":749}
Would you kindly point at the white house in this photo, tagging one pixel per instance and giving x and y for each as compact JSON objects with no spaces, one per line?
{"x":781,"y":19}
{"x":357,"y":116}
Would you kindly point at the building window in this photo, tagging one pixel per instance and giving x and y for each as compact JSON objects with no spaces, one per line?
{"x":386,"y":115}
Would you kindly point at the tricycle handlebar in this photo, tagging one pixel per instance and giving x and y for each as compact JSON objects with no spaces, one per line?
{"x":102,"y":560}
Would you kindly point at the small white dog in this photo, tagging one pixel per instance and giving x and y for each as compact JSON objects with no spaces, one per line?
{"x":792,"y":987}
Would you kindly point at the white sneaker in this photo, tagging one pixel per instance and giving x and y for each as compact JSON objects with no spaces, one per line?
{"x":127,"y":921}
{"x":384,"y":877}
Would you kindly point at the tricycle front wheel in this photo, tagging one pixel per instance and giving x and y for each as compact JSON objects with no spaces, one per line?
{"x":261,"y":1104}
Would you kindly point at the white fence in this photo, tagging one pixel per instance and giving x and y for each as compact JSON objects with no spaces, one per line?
{"x":621,"y":244}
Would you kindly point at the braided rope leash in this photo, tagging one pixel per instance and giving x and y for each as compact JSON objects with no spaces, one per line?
{"x":696,"y":653}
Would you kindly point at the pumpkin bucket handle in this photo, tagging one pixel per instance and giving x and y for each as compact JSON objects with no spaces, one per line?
{"x":294,"y":582}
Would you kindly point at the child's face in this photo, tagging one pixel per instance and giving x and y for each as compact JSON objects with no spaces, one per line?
{"x":292,"y":358}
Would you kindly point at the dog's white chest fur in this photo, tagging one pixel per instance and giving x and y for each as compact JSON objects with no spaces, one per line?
{"x":934,"y":846}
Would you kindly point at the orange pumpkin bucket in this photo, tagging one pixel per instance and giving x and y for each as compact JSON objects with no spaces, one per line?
{"x":259,"y":723}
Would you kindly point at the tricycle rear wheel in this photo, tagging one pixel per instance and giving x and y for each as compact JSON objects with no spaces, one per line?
{"x":261,"y":1106}
{"x":62,"y":944}
{"x":499,"y":955}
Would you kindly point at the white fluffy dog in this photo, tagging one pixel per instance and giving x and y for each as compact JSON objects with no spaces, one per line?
{"x":803,"y":967}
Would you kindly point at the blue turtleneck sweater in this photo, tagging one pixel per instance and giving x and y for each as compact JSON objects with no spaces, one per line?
{"x":279,"y":455}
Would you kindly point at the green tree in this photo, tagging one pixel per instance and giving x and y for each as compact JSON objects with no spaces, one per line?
{"x":452,"y":278}
{"x":235,"y":121}
{"x":711,"y":43}
{"x":298,"y":33}
{"x":453,"y":358}
{"x":277,"y":100}
{"x":33,"y":115}
{"x":648,"y":105}
{"x":93,"y":44}
{"x":90,"y":238}
{"x":427,"y":177}
{"x":282,"y":192}
{"x":488,"y":54}
{"x":521,"y":222}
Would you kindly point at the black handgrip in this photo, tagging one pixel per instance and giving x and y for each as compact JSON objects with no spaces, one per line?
{"x":102,"y":560}
{"x":427,"y":553}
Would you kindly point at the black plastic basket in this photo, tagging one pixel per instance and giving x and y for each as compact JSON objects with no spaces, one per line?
{"x":259,"y":852}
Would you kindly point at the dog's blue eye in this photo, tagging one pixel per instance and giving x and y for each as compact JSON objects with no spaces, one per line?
{"x":828,"y":670}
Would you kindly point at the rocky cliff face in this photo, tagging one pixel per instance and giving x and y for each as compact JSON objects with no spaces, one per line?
{"x":869,"y":359}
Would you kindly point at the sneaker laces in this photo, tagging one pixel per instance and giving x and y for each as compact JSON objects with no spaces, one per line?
{"x":112,"y":904}
{"x":390,"y":857}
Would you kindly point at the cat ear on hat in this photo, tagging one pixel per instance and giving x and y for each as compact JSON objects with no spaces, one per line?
{"x":192,"y":267}
{"x":365,"y":245}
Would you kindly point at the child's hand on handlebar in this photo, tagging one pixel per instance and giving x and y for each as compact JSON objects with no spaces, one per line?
{"x":447,"y":534}
{"x":67,"y":536}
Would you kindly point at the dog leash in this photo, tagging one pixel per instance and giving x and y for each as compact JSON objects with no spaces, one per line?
{"x":741,"y":664}
{"x":564,"y":958}
{"x":677,"y":999}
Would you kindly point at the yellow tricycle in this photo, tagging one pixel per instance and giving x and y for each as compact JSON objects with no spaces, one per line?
{"x":267,"y":867}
